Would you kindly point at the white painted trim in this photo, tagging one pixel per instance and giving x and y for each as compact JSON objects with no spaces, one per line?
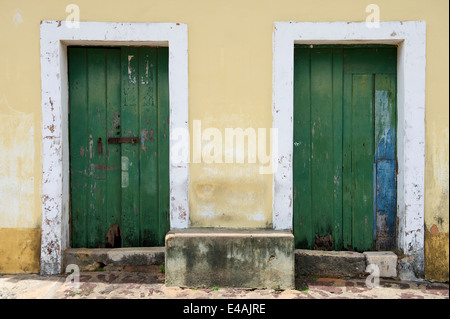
{"x":411,"y":40}
{"x":55,"y":36}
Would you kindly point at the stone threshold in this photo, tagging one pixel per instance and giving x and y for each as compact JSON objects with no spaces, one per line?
{"x":136,"y":259}
{"x":307,"y":262}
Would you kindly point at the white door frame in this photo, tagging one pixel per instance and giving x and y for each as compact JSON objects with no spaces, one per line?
{"x":410,"y":37}
{"x":55,"y":37}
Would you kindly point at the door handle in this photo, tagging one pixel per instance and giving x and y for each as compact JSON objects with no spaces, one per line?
{"x":119,"y":140}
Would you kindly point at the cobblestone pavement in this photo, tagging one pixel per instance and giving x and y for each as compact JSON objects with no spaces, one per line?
{"x":150,"y":285}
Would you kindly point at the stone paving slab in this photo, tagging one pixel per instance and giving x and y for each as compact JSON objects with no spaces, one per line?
{"x":150,"y":285}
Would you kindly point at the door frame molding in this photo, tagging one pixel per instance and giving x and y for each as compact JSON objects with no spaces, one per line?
{"x":410,"y":37}
{"x":55,"y":36}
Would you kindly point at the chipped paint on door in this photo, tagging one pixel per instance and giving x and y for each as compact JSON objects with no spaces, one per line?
{"x":385,"y":160}
{"x":344,"y":147}
{"x":117,"y":182}
{"x":125,"y":176}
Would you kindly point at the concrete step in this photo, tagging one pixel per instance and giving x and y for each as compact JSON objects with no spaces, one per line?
{"x":386,"y":261}
{"x":230,"y":258}
{"x":307,"y":262}
{"x":143,"y":259}
{"x":345,"y":263}
{"x":329,"y":263}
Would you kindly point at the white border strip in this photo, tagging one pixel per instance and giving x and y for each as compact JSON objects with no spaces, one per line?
{"x":55,"y":36}
{"x":411,"y":40}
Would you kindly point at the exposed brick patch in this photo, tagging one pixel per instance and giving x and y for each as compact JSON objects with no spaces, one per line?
{"x":434,"y":230}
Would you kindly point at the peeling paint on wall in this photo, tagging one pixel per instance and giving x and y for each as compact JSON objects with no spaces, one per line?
{"x":437,"y":206}
{"x":21,"y":254}
{"x":438,"y":179}
{"x":436,"y":255}
{"x":16,"y":168}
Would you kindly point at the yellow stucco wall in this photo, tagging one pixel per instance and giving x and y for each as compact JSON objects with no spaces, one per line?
{"x":230,"y":85}
{"x":20,"y":250}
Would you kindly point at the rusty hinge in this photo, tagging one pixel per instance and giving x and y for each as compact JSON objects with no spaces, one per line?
{"x":118,"y":140}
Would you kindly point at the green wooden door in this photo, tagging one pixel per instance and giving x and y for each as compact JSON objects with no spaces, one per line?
{"x":119,"y":146}
{"x":344,"y":152}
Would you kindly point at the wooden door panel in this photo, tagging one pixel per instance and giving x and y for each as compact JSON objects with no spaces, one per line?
{"x":344,"y":124}
{"x":119,"y":185}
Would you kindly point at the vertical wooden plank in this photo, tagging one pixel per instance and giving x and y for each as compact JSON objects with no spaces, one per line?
{"x":79,"y":151}
{"x":347,"y":163}
{"x":302,"y":224}
{"x":97,"y":130}
{"x":113,"y":189}
{"x":386,"y":186}
{"x":385,"y":157}
{"x":385,"y":116}
{"x":362,"y":161}
{"x":338,"y":72}
{"x":148,"y":122}
{"x":322,"y":141}
{"x":130,"y":153}
{"x":163,"y":142}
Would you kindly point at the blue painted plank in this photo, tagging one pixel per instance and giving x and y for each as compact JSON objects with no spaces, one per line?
{"x":386,"y":186}
{"x":385,"y":137}
{"x":385,"y":160}
{"x":386,"y":203}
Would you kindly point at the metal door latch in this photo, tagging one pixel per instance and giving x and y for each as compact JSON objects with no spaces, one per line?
{"x":119,"y":140}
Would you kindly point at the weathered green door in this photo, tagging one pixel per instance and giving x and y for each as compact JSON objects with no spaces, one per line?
{"x":119,"y":146}
{"x":344,"y":152}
